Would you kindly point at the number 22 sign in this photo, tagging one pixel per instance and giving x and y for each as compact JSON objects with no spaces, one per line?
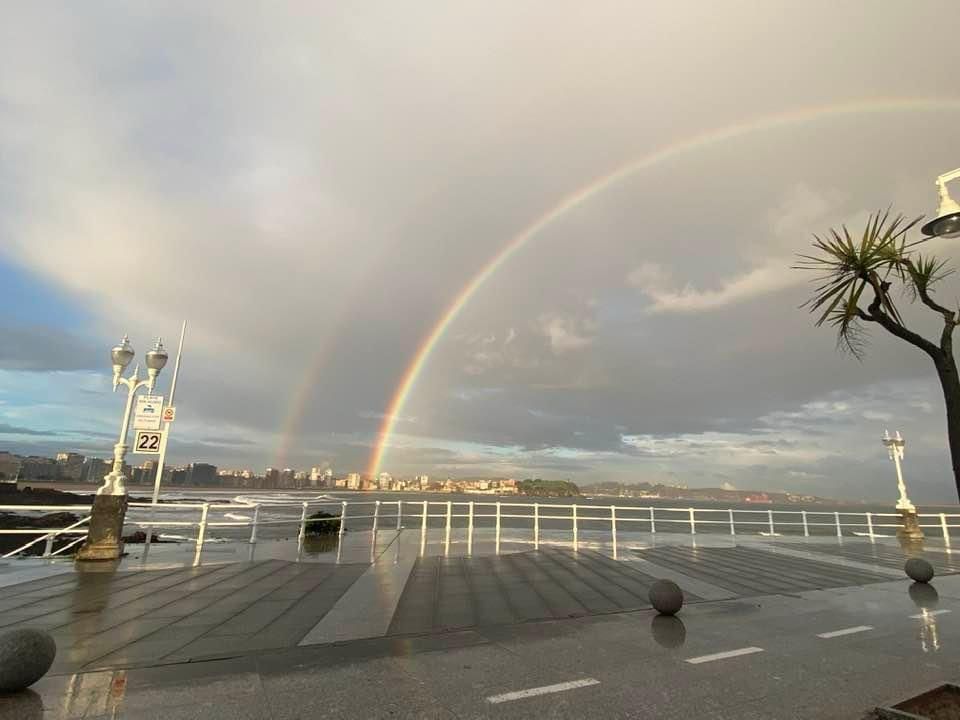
{"x":147,"y":442}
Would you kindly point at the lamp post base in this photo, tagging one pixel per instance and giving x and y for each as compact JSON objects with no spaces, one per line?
{"x":106,"y":529}
{"x":909,"y":530}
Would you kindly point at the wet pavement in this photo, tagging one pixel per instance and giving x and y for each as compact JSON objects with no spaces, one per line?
{"x":769,"y":630}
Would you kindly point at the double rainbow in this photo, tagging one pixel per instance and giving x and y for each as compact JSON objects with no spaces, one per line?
{"x":596,"y":186}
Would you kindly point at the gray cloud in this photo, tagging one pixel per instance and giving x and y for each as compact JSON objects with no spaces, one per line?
{"x":8,"y":429}
{"x":40,"y":349}
{"x":313,"y":206}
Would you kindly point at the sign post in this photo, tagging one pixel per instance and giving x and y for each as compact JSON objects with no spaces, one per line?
{"x":163,"y":441}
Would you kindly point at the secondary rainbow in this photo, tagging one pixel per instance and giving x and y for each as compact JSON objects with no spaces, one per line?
{"x":576,"y":198}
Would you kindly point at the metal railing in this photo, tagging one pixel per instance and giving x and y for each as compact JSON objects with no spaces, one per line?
{"x":48,"y":535}
{"x":537,"y":523}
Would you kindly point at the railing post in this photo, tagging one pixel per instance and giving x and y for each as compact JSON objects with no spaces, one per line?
{"x":302,"y":536}
{"x":770,"y":522}
{"x":806,"y":530}
{"x":733,"y":527}
{"x":343,"y":522}
{"x":836,"y":518}
{"x":423,"y":530}
{"x":870,"y":526}
{"x":693,"y":523}
{"x":376,"y":520}
{"x":446,"y":534}
{"x":201,"y":533}
{"x":399,"y":513}
{"x":576,"y":537}
{"x":470,"y":528}
{"x":497,"y":531}
{"x":946,"y":530}
{"x":48,"y":546}
{"x":653,"y":522}
{"x":253,"y":531}
{"x":613,"y":529}
{"x":536,"y":526}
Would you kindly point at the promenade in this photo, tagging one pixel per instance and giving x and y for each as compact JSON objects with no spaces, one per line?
{"x":772,"y":628}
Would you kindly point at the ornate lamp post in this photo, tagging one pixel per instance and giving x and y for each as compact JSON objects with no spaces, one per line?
{"x":910,"y":529}
{"x":110,"y":505}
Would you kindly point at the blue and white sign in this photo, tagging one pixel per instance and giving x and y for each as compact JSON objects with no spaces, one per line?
{"x":148,"y":411}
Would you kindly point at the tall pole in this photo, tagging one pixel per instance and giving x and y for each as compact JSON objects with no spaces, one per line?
{"x":163,"y":441}
{"x":910,"y":530}
{"x":895,"y":449}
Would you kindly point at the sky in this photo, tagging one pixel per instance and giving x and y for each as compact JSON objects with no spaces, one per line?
{"x":311,"y":186}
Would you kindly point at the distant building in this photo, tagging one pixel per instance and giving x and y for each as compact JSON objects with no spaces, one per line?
{"x":202,"y":475}
{"x":320,"y":478}
{"x":385,"y":481}
{"x":94,"y":470}
{"x":38,"y":468}
{"x":353,"y":481}
{"x":423,"y":481}
{"x":271,"y":479}
{"x":69,"y":466}
{"x":9,"y":465}
{"x":175,"y":476}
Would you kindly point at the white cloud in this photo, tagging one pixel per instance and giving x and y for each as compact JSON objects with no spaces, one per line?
{"x":654,"y":281}
{"x":566,"y":332}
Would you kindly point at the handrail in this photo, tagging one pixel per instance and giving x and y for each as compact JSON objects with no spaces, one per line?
{"x":494,"y":513}
{"x":49,"y":537}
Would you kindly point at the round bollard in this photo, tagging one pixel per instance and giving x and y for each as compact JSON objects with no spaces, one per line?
{"x":666,"y":597}
{"x":25,"y":656}
{"x":918,"y":569}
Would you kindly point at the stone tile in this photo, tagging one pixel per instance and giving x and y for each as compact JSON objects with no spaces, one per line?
{"x":377,"y":688}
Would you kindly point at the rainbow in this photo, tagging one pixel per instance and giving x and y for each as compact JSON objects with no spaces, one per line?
{"x":596,"y":186}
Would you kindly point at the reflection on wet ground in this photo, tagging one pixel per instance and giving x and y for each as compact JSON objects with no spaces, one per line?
{"x":556,"y":612}
{"x":668,"y":630}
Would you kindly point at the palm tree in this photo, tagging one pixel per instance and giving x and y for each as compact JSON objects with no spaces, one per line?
{"x":853,"y":272}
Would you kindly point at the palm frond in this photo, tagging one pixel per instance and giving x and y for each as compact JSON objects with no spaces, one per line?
{"x":846,"y":267}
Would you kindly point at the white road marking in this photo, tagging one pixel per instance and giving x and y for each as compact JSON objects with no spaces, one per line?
{"x":928,"y":613}
{"x":724,"y":655}
{"x":533,"y":692}
{"x":845,"y":631}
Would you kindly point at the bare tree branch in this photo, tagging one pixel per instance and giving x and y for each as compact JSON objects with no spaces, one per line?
{"x":876,"y":314}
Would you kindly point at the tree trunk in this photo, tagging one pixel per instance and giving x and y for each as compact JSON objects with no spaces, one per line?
{"x":950,"y":382}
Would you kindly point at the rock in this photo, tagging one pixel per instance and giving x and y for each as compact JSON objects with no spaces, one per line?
{"x":25,"y":657}
{"x":919,"y":569}
{"x":139,"y":537}
{"x":666,"y":597}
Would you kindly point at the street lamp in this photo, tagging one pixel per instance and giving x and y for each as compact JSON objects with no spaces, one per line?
{"x":911,"y":525}
{"x":947,"y":221}
{"x":104,"y":538}
{"x":122,"y":354}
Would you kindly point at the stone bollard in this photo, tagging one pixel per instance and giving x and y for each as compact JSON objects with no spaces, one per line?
{"x":666,"y":597}
{"x":919,"y":570}
{"x":25,"y":657}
